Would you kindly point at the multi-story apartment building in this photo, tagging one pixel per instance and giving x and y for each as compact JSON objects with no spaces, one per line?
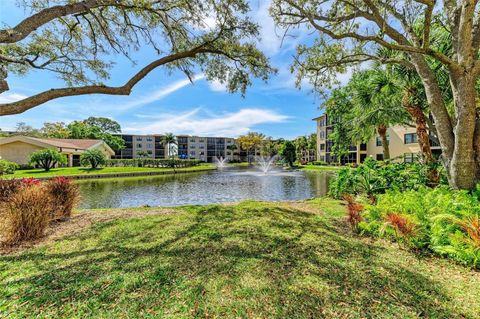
{"x":187,"y":147}
{"x":402,"y":144}
{"x":141,"y":146}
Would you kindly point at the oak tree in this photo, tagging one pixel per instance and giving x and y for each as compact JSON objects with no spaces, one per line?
{"x":79,"y":40}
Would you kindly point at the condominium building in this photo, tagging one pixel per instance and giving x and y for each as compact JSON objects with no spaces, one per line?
{"x":187,"y":147}
{"x":402,"y":144}
{"x":141,"y":146}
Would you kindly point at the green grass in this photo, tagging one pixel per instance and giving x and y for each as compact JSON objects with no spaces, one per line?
{"x":320,"y":168}
{"x":75,"y":171}
{"x":249,"y":260}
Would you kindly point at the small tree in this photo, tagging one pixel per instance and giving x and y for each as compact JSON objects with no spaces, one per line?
{"x":93,"y":158}
{"x":47,"y":158}
{"x":287,"y":151}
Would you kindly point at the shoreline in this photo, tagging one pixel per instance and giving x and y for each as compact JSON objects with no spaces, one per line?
{"x":126,"y":174}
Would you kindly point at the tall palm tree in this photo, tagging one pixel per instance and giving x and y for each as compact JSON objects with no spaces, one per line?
{"x":376,"y":106}
{"x":168,"y":140}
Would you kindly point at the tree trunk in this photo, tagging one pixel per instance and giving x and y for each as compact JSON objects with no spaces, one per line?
{"x":382,"y":131}
{"x":463,"y":170}
{"x":420,"y":121}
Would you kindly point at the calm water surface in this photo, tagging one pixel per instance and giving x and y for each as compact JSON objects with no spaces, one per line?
{"x":226,"y":185}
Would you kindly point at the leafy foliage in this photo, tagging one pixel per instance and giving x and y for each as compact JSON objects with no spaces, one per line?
{"x":93,"y":158}
{"x":288,"y":153}
{"x":375,"y":177}
{"x":150,"y":162}
{"x":444,"y":221}
{"x":7,"y":167}
{"x":47,"y":158}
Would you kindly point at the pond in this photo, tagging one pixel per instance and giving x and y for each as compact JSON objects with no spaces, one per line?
{"x":219,"y":186}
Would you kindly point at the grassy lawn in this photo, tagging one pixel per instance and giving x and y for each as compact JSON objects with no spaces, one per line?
{"x":74,"y":171}
{"x":248,"y":260}
{"x":320,"y":168}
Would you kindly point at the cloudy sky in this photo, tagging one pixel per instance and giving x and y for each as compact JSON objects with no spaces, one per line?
{"x":165,"y":102}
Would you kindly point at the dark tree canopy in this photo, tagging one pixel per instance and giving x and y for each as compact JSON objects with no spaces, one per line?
{"x":79,"y":41}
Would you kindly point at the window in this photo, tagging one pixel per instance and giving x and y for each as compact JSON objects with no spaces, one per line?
{"x":192,"y":146}
{"x":379,"y":157}
{"x":363,"y":147}
{"x":139,"y":138}
{"x":149,"y":152}
{"x":322,"y":147}
{"x":410,"y":138}
{"x":202,"y":141}
{"x":201,"y":147}
{"x":322,"y":122}
{"x":149,"y":145}
{"x":322,"y":134}
{"x":139,"y":145}
{"x":192,"y":153}
{"x":379,"y":140}
{"x":192,"y":140}
{"x":229,"y":142}
{"x":228,"y":153}
{"x":409,"y":157}
{"x":149,"y":139}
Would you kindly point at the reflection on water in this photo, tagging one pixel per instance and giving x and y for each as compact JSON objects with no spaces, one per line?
{"x":220,"y":186}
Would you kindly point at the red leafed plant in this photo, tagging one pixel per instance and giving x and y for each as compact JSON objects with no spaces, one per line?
{"x":353,"y":211}
{"x":30,"y":181}
{"x":471,"y":225}
{"x":402,"y":225}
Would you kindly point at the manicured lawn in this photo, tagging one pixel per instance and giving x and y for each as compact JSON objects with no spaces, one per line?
{"x":73,"y":171}
{"x":248,"y":260}
{"x":320,"y":168}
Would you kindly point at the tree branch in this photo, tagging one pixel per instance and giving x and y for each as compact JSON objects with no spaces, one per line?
{"x":30,"y":24}
{"x":30,"y":102}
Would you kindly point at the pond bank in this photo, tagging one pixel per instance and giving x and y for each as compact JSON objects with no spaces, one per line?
{"x":107,"y":172}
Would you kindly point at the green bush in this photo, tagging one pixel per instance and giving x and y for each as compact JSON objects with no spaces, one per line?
{"x":318,"y":163}
{"x":375,"y":177}
{"x":93,"y":158}
{"x":441,"y":220}
{"x":7,"y":167}
{"x":47,"y":158}
{"x":151,"y":162}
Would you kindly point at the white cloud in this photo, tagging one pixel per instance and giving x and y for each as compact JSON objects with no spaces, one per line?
{"x":217,"y":86}
{"x":11,"y":97}
{"x":195,"y":122}
{"x":156,"y":94}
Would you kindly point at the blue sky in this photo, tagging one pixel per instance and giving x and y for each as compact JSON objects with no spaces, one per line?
{"x":165,"y":102}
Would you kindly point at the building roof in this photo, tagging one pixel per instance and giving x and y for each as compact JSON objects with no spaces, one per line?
{"x":74,"y":144}
{"x":319,"y":117}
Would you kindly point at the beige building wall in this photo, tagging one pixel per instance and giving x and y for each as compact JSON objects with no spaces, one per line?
{"x":397,"y":145}
{"x":18,"y":152}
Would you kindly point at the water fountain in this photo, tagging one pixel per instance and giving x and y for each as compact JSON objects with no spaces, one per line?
{"x":265,"y":162}
{"x":220,"y":161}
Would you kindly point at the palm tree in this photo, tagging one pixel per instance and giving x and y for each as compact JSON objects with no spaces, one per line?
{"x":376,"y":106}
{"x":168,"y":140}
{"x":232,"y":148}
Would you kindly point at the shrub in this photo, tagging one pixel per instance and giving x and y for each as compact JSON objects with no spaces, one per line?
{"x":8,"y":187}
{"x":93,"y":158}
{"x":375,"y":177}
{"x":353,"y":209}
{"x":318,"y":163}
{"x":441,"y":220}
{"x":47,"y":158}
{"x":63,"y":196}
{"x":26,"y":214}
{"x":7,"y":167}
{"x":150,"y":162}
